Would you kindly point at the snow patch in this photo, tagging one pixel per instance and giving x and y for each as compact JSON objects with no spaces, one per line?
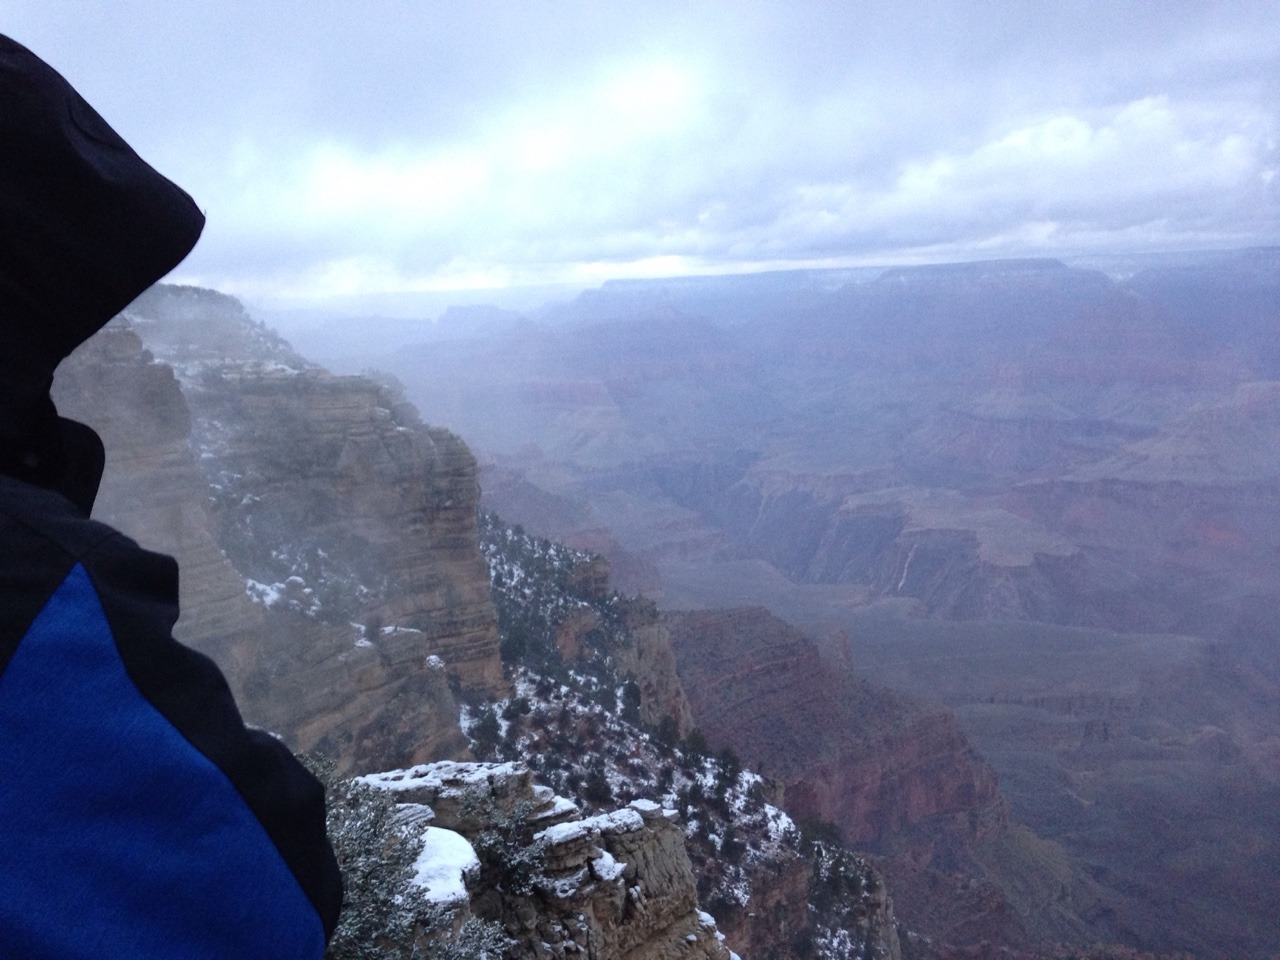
{"x":564,"y":887}
{"x":560,"y":807}
{"x":267,"y":594}
{"x":443,"y":866}
{"x":447,"y":777}
{"x":606,"y":867}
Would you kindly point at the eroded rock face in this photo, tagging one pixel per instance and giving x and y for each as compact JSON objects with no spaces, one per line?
{"x":617,"y":886}
{"x":877,"y":764}
{"x":624,"y":881}
{"x":152,"y":489}
{"x":646,"y":659}
{"x":897,"y":778}
{"x":778,"y":913}
{"x":350,"y":523}
{"x":650,"y":662}
{"x":318,"y":478}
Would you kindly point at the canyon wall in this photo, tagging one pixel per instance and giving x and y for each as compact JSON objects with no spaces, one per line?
{"x":326,"y":537}
{"x":615,"y":886}
{"x":877,"y":764}
{"x":893,"y":776}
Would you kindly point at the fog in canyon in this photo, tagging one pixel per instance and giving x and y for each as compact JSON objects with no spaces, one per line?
{"x":1042,"y":495}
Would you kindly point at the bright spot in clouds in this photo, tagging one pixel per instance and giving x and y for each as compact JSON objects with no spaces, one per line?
{"x":652,"y":97}
{"x":338,"y":185}
{"x":525,"y":169}
{"x":420,"y":146}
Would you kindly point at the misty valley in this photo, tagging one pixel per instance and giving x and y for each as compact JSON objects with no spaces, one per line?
{"x":937,"y":605}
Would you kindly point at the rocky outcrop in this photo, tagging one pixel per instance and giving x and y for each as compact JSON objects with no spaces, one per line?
{"x":319,"y":479}
{"x":895,"y":777}
{"x":326,"y":537}
{"x":877,"y":764}
{"x":778,"y":912}
{"x":650,"y":662}
{"x":152,"y":489}
{"x":644,"y":657}
{"x":616,"y":886}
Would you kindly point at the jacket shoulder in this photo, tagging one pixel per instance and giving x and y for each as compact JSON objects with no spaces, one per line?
{"x":50,"y":548}
{"x":44,"y":536}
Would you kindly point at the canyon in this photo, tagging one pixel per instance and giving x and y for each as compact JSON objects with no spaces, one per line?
{"x":1040,"y":494}
{"x":1021,"y":515}
{"x":327,"y":546}
{"x":332,"y":564}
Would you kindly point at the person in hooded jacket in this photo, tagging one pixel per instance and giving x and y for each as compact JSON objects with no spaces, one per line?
{"x":139,"y":818}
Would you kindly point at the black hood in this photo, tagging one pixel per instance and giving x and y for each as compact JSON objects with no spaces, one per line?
{"x":85,"y":226}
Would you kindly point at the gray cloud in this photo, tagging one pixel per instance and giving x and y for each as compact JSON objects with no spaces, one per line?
{"x":344,"y":147}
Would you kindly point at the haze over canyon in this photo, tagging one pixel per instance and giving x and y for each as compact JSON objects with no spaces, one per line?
{"x":946,"y":616}
{"x":1043,"y":496}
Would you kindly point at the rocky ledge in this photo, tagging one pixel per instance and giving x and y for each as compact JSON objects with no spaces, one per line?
{"x":615,"y":886}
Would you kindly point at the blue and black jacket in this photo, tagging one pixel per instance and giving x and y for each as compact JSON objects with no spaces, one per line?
{"x":139,"y":818}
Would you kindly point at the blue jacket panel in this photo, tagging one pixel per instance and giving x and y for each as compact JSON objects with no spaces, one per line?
{"x":156,"y":856}
{"x":139,"y":818}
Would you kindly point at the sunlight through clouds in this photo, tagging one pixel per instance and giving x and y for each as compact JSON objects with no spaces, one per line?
{"x":420,"y":144}
{"x":395,"y":189}
{"x":535,"y":166}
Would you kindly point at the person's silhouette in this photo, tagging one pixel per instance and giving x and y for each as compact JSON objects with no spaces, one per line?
{"x":139,"y":818}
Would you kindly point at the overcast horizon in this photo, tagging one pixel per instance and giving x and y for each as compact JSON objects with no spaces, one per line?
{"x":361,"y":151}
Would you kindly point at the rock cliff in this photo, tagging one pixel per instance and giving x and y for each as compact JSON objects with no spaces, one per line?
{"x":774,"y":890}
{"x":152,"y":488}
{"x":895,"y":777}
{"x":877,"y":764}
{"x":317,"y":479}
{"x":615,"y":886}
{"x":326,"y":537}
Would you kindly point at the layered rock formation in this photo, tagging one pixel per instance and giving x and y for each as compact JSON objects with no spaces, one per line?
{"x":875,"y":763}
{"x":152,"y":488}
{"x":773,"y":890}
{"x":323,"y":499}
{"x":616,"y":886}
{"x":895,"y":777}
{"x":318,"y":479}
{"x":921,"y":437}
{"x":557,"y":604}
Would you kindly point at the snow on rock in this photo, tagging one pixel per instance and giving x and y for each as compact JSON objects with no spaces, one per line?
{"x":564,"y":832}
{"x":606,"y":867}
{"x":414,"y":815}
{"x":617,"y":883}
{"x":292,"y":593}
{"x":402,"y":631}
{"x":267,"y":594}
{"x":443,"y":866}
{"x":564,"y":888}
{"x":560,"y":809}
{"x":446,"y":778}
{"x":618,"y":821}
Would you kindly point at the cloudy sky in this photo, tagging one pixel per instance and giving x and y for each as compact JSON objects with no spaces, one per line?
{"x":369,"y":146}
